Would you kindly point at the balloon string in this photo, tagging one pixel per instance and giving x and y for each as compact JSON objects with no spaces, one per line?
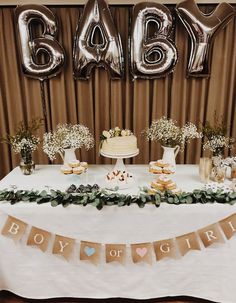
{"x":44,"y":107}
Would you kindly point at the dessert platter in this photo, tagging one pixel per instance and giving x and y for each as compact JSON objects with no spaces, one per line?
{"x":119,"y":144}
{"x":74,"y":167}
{"x":164,"y":183}
{"x":161,"y":167}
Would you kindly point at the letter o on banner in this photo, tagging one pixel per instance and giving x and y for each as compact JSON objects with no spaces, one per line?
{"x":159,"y":46}
{"x":31,"y":47}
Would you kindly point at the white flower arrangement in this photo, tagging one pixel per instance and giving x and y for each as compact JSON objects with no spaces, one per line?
{"x":67,"y":136}
{"x":216,"y":139}
{"x":24,"y":142}
{"x":217,"y":143}
{"x":170,"y":135}
{"x":115,"y":132}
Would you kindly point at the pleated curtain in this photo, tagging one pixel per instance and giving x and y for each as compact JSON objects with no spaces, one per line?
{"x":101,"y":103}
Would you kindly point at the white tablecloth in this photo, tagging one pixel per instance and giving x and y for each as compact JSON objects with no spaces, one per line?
{"x":26,"y":271}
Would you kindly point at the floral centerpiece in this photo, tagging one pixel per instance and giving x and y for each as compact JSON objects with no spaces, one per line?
{"x":169,"y":134}
{"x":115,"y":132}
{"x":216,"y":138}
{"x":66,"y":137}
{"x":24,"y":142}
{"x":216,"y":141}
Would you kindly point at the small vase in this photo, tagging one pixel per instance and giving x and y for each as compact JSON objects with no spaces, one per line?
{"x":233,"y":172}
{"x":205,"y":169}
{"x":170,"y":154}
{"x":27,"y":168}
{"x":68,"y":155}
{"x":219,"y":174}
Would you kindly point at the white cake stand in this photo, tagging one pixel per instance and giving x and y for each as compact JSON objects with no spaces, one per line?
{"x":119,"y":159}
{"x":120,"y":165}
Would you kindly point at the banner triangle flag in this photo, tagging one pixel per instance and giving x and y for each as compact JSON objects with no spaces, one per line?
{"x":14,"y":228}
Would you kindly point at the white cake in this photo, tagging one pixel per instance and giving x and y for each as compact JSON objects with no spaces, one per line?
{"x":124,"y":145}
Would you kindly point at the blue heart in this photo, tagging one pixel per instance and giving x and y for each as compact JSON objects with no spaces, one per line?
{"x":89,"y":251}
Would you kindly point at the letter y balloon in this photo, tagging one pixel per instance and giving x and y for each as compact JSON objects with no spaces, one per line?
{"x":202,"y":30}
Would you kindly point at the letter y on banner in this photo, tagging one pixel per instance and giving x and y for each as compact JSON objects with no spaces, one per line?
{"x":63,"y":246}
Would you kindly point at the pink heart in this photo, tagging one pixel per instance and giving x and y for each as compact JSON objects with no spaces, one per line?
{"x":141,"y":251}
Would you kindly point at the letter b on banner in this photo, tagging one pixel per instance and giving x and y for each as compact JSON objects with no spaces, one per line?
{"x":156,"y":56}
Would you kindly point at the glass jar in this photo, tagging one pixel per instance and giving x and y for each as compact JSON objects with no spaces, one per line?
{"x":219,"y":174}
{"x":27,"y":168}
{"x":205,"y":168}
{"x":233,"y":171}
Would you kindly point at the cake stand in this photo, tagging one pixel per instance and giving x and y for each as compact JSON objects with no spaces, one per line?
{"x":120,"y":165}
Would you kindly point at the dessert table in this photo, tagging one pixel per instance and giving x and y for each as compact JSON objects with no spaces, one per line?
{"x":26,"y":271}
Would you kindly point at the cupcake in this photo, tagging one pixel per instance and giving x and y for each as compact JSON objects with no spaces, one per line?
{"x":78,"y":170}
{"x":158,"y":186}
{"x":74,"y":163}
{"x":164,"y":180}
{"x":162,"y":163}
{"x":66,"y":170}
{"x":169,"y":170}
{"x":84,"y":164}
{"x":171,"y":186}
{"x":154,"y":169}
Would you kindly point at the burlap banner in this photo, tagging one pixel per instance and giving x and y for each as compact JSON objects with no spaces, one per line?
{"x":140,"y":252}
{"x":63,"y":246}
{"x":165,"y":248}
{"x":14,"y":228}
{"x":228,"y":226}
{"x":90,"y":251}
{"x":115,"y":253}
{"x":210,"y":235}
{"x":188,"y":242}
{"x":39,"y":237}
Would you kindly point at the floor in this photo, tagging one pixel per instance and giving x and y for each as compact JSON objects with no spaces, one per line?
{"x":6,"y":297}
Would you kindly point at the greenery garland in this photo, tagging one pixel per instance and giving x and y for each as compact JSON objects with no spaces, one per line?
{"x":100,"y":198}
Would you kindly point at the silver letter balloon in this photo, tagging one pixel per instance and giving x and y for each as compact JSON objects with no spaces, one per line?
{"x":32,"y":47}
{"x":155,"y":56}
{"x":88,"y":52}
{"x":202,"y":30}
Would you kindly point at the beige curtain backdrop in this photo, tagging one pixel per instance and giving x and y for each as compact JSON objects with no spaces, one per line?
{"x":101,"y":103}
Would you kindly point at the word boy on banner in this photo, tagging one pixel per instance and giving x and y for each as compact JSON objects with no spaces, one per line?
{"x":140,"y":252}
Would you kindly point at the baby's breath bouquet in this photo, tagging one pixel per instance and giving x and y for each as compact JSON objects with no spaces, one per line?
{"x":169,"y":134}
{"x":216,"y":137}
{"x":24,"y":142}
{"x":66,"y":136}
